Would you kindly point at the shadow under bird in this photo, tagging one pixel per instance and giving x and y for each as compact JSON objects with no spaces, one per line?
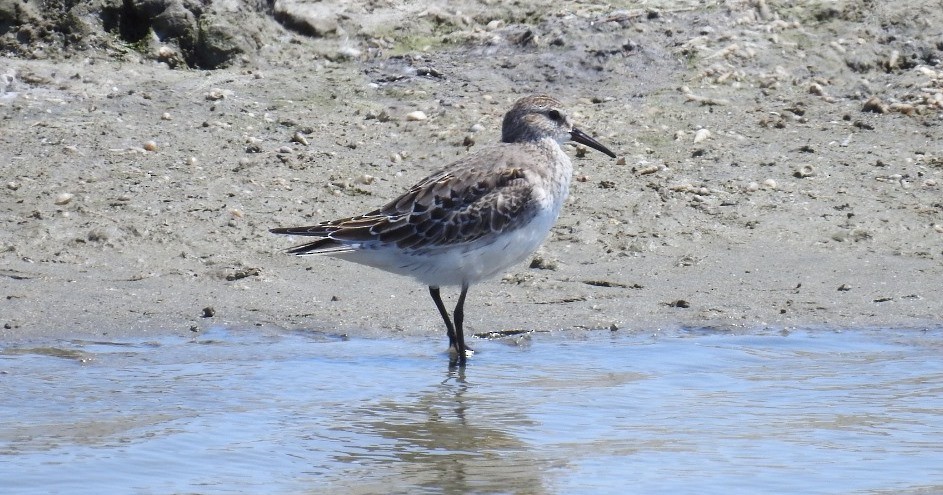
{"x":470,"y":220}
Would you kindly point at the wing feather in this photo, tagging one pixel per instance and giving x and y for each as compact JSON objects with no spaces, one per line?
{"x":457,"y":205}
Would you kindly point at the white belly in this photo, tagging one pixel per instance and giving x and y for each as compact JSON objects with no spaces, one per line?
{"x":470,"y":263}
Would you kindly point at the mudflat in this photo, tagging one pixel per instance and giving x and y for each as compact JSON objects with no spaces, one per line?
{"x":780,"y":166}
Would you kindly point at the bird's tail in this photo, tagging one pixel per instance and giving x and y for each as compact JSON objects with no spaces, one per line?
{"x":323,"y":245}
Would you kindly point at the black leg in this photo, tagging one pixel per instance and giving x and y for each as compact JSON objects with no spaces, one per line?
{"x":459,"y":315}
{"x":450,"y":329}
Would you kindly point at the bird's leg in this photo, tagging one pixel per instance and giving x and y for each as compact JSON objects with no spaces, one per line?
{"x":450,"y":329}
{"x":459,"y":315}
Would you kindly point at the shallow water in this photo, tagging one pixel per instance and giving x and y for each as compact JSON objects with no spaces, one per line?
{"x":245,"y":411}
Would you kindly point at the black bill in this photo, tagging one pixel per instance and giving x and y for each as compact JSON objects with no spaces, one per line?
{"x":584,"y":139}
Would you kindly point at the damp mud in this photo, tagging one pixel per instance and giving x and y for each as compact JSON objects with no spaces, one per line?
{"x":779,"y":164}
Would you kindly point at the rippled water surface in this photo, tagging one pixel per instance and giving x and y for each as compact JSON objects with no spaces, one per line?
{"x":245,"y":411}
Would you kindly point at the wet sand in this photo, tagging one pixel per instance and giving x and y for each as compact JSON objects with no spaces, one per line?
{"x":780,"y":166}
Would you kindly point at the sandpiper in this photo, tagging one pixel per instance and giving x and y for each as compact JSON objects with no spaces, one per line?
{"x":471,"y":220}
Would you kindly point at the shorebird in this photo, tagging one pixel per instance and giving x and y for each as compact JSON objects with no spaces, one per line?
{"x":469,"y":221}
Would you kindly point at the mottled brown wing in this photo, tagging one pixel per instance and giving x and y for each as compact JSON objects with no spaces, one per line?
{"x":457,"y":209}
{"x":454,"y":206}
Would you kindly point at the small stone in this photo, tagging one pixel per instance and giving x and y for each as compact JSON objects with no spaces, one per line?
{"x":874,"y":105}
{"x":416,"y":116}
{"x":165,"y":116}
{"x":64,"y":198}
{"x":701,"y":135}
{"x":299,"y":138}
{"x":150,"y":146}
{"x":844,"y":287}
{"x":769,"y":184}
{"x":209,"y":312}
{"x":13,"y":185}
{"x":541,"y":263}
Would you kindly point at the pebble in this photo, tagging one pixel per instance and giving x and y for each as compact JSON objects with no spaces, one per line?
{"x":217,"y":94}
{"x":13,"y":185}
{"x":64,"y":198}
{"x":770,"y":183}
{"x":416,"y":116}
{"x":651,"y":169}
{"x":701,"y":135}
{"x":476,"y":128}
{"x":396,"y":158}
{"x":367,"y":179}
{"x":752,"y":187}
{"x":875,"y":105}
{"x":150,"y":146}
{"x":299,"y":138}
{"x":165,"y":116}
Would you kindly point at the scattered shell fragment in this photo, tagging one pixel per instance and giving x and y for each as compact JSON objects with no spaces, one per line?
{"x":894,"y":60}
{"x":701,"y":135}
{"x":299,"y":138}
{"x":651,"y":169}
{"x":217,"y":94}
{"x":64,"y":198}
{"x":415,"y":116}
{"x":150,"y":146}
{"x":804,"y":171}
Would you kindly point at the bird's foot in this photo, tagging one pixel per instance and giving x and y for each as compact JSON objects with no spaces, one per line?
{"x":453,"y":352}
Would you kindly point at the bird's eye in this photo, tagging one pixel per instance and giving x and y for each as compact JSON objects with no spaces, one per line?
{"x":555,"y":115}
